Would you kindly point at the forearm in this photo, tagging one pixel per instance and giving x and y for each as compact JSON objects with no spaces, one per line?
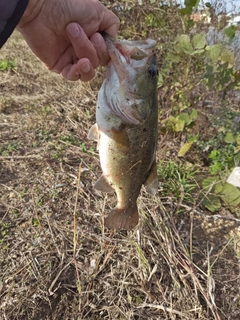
{"x":11,"y":12}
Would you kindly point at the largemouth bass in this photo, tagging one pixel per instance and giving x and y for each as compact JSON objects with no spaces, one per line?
{"x":126,"y":128}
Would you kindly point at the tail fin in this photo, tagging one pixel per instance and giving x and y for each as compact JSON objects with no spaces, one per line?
{"x":122,"y":219}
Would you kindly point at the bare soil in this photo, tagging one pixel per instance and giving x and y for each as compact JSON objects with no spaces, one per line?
{"x":181,"y":262}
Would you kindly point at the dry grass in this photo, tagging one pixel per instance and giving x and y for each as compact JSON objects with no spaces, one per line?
{"x":56,"y":260}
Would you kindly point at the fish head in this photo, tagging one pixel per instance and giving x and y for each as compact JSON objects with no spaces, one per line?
{"x":131,"y":79}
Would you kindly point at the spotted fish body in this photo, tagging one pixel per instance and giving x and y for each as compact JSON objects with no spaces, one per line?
{"x":126,"y":128}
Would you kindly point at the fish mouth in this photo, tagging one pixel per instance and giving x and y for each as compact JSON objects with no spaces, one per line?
{"x":127,"y":47}
{"x":128,"y":58}
{"x":124,"y":52}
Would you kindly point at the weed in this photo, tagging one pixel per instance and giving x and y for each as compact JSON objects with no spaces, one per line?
{"x":85,"y":149}
{"x":22,"y":193}
{"x":35,"y":222}
{"x":224,"y":149}
{"x":57,"y":154}
{"x":9,"y":149}
{"x":71,"y":139}
{"x":5,"y":229}
{"x":177,"y":179}
{"x":44,"y":134}
{"x":222,"y":159}
{"x":45,"y":110}
{"x":182,"y":121}
{"x":6,"y":65}
{"x":217,"y":192}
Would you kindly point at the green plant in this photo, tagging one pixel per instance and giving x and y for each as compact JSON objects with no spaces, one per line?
{"x":44,"y":134}
{"x":6,"y":65}
{"x":182,"y":121}
{"x":35,"y":222}
{"x":5,"y":229}
{"x":177,"y":179}
{"x":221,"y":159}
{"x":224,"y":149}
{"x":22,"y":193}
{"x":220,"y":74}
{"x":84,"y":148}
{"x":71,"y":139}
{"x":217,"y":192}
{"x":9,"y":149}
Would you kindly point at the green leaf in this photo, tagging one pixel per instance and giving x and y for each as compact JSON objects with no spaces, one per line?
{"x":6,"y":65}
{"x":217,"y":188}
{"x":237,"y":156}
{"x":230,"y":195}
{"x":227,"y":57}
{"x":192,"y":3}
{"x":184,"y":149}
{"x":185,"y":11}
{"x":230,"y":32}
{"x":199,"y":40}
{"x":212,"y":202}
{"x":238,"y":139}
{"x":229,"y":138}
{"x":3,"y":64}
{"x":194,"y":114}
{"x":151,"y":20}
{"x":179,"y":126}
{"x":184,"y":117}
{"x":160,"y":80}
{"x":172,"y":58}
{"x":209,"y":183}
{"x":185,"y":44}
{"x":215,"y":52}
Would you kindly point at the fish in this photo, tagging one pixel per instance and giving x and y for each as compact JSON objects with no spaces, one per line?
{"x":126,"y":127}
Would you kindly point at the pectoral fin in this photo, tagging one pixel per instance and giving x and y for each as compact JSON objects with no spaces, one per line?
{"x":151,"y":183}
{"x":121,"y":138}
{"x":103,"y":185}
{"x":93,"y":133}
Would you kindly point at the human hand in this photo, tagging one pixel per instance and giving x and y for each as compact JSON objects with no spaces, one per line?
{"x":64,"y":35}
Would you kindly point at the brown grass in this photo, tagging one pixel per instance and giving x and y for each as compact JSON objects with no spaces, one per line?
{"x":179,"y":263}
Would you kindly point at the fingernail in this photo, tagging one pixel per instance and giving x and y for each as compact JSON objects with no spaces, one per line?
{"x":85,"y":68}
{"x":73,"y":30}
{"x":96,"y":39}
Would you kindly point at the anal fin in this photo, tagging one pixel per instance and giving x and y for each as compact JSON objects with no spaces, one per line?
{"x":103,"y":185}
{"x":151,"y":183}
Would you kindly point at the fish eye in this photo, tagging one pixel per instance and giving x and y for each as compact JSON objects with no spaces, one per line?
{"x":152,"y":71}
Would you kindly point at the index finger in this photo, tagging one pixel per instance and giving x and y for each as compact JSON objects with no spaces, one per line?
{"x":82,"y":45}
{"x":110,"y":23}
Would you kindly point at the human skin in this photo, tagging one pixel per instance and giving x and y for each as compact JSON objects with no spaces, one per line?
{"x":65,"y":35}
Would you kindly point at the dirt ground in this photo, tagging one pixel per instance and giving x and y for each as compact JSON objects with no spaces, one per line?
{"x":56,"y":259}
